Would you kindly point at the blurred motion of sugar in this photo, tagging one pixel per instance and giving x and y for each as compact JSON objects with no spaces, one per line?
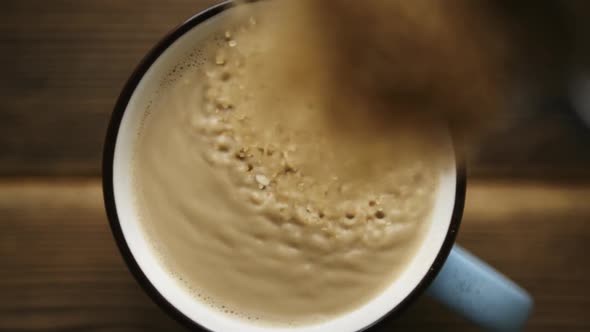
{"x":386,"y":67}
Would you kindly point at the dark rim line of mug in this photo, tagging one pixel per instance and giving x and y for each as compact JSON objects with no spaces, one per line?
{"x":111,"y":208}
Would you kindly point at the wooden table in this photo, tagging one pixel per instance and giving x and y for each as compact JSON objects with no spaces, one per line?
{"x":62,"y":64}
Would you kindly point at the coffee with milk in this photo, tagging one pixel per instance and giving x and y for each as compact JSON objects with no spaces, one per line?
{"x":268,"y":201}
{"x":288,"y":165}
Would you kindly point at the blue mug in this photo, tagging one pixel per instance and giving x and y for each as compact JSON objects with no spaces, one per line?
{"x":441,"y":269}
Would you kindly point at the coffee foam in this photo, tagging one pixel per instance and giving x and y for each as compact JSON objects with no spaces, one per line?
{"x":195,"y":306}
{"x":190,"y":63}
{"x":194,"y":64}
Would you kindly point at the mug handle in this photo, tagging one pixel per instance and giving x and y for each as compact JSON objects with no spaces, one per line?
{"x":481,"y":294}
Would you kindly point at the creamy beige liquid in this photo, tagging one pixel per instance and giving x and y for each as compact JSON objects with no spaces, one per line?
{"x":266,"y":210}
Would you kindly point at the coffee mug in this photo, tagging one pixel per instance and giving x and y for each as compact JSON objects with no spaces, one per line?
{"x":440,"y":268}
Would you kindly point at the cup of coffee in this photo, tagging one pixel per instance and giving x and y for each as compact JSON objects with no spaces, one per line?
{"x":236,"y":219}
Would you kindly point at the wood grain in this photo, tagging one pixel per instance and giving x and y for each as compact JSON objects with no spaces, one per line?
{"x":63,"y":63}
{"x":61,"y":270}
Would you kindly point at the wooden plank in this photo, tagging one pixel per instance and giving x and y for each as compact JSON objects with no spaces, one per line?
{"x":538,"y":235}
{"x":64,"y":62}
{"x":61,"y":270}
{"x":548,"y":141}
{"x":63,"y":65}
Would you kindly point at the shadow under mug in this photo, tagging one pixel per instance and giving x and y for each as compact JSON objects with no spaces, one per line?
{"x":444,"y":271}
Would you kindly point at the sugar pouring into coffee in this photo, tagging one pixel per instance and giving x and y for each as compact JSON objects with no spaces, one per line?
{"x":385,"y":67}
{"x":293,"y":165}
{"x":257,"y":197}
{"x":402,"y":63}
